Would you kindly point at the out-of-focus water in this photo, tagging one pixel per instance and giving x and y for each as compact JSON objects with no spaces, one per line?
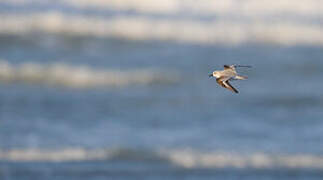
{"x":100,"y":105}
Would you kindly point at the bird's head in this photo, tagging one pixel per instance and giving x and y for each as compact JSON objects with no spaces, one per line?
{"x":214,"y":74}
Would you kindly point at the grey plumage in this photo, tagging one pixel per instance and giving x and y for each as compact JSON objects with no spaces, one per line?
{"x":229,"y":73}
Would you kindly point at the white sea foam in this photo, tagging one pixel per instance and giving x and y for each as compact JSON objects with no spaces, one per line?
{"x":52,"y":155}
{"x":81,"y":76}
{"x":234,"y":7}
{"x":190,"y":159}
{"x":182,"y":30}
{"x":181,"y":158}
{"x":251,"y":7}
{"x":282,"y":22}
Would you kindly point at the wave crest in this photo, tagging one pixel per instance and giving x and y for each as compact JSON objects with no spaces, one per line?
{"x":234,"y":7}
{"x":82,"y":76}
{"x":190,"y":159}
{"x":181,"y":158}
{"x":181,"y":30}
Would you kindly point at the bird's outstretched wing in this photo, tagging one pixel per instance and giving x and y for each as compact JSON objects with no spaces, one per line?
{"x":220,"y":81}
{"x":227,"y":67}
{"x":230,"y":87}
{"x":226,"y":84}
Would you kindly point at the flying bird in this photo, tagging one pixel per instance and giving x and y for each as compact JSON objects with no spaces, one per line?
{"x":229,"y":73}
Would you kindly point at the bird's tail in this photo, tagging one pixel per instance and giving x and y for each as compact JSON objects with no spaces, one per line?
{"x":241,"y":77}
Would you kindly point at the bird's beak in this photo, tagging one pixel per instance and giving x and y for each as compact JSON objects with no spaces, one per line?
{"x":210,"y":75}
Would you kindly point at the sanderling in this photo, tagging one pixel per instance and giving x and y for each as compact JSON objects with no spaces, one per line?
{"x":229,"y":73}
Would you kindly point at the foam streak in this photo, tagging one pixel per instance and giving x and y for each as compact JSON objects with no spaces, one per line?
{"x":143,"y":28}
{"x":182,"y":158}
{"x":81,"y":76}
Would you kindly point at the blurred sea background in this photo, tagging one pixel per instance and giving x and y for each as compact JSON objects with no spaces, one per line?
{"x":119,"y":89}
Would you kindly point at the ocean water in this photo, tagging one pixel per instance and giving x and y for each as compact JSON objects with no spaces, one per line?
{"x":122,"y":91}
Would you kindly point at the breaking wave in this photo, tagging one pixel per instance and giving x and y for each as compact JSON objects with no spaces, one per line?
{"x":182,"y":158}
{"x":238,"y":7}
{"x":82,"y":76}
{"x":203,"y":22}
{"x":181,"y":30}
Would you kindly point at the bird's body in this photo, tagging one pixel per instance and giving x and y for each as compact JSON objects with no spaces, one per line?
{"x":229,"y":73}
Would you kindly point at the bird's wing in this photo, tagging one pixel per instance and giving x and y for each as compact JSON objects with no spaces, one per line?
{"x":220,"y":81}
{"x":227,"y":67}
{"x":230,"y":87}
{"x":232,"y":68}
{"x":225,"y":83}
